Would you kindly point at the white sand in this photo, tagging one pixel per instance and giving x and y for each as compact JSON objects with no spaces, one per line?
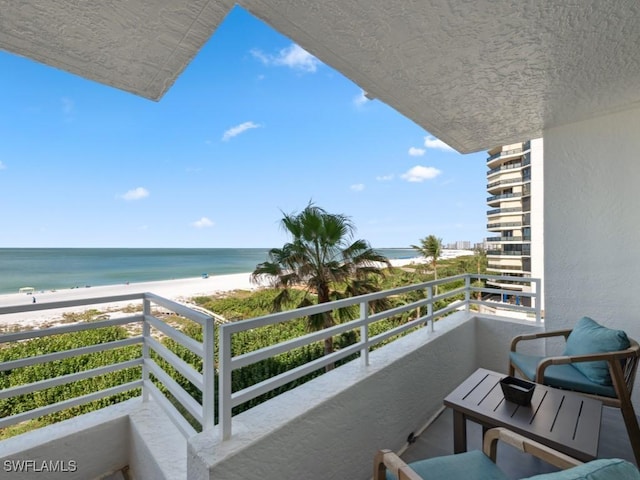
{"x":180,"y":290}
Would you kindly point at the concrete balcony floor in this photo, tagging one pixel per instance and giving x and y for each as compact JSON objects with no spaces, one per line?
{"x":437,"y":440}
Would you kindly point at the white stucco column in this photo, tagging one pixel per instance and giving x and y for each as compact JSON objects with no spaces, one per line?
{"x":592,"y":223}
{"x":537,"y":214}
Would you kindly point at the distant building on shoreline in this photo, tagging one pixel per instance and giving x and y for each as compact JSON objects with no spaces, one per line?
{"x":515,"y":215}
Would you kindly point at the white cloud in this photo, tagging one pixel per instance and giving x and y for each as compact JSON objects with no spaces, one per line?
{"x":238,"y":129}
{"x":358,"y":187}
{"x":420,"y":174}
{"x":360,"y":99}
{"x":293,"y":56}
{"x":385,"y":178}
{"x":2,"y":165}
{"x":261,"y":56}
{"x":416,"y":152}
{"x":204,"y":222}
{"x":135,"y":194}
{"x":432,"y":142}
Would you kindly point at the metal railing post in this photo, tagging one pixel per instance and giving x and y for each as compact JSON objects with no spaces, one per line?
{"x":146,"y":334}
{"x":538,"y":300}
{"x":430,"y":306}
{"x":208,"y":374}
{"x":467,"y":293}
{"x":224,"y":382}
{"x":364,"y":333}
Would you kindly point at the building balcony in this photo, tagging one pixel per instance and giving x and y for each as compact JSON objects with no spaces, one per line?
{"x":508,"y":166}
{"x":499,"y":267}
{"x":524,"y":252}
{"x":505,"y":153}
{"x":499,"y":184}
{"x":526,"y":238}
{"x":391,"y":391}
{"x":503,"y":196}
{"x":510,"y":281}
{"x":502,"y":211}
{"x":503,"y":225}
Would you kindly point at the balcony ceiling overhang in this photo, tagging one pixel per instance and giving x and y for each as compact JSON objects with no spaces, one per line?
{"x":476,"y":73}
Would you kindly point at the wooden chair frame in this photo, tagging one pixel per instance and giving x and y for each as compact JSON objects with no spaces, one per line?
{"x":386,"y":459}
{"x":623,"y":365}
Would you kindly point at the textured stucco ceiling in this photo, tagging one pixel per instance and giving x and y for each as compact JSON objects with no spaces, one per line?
{"x":140,"y":46}
{"x":475,"y":73}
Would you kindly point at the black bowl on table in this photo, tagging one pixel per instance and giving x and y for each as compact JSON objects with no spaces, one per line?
{"x":517,"y":390}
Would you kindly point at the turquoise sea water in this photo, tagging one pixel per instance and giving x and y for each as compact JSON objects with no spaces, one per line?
{"x":57,"y":268}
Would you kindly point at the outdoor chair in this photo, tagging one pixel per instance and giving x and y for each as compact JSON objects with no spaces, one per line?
{"x":476,"y":465}
{"x":599,"y":362}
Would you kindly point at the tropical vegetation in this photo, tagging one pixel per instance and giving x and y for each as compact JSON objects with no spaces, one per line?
{"x":234,"y":307}
{"x":431,"y":249}
{"x":324,"y":261}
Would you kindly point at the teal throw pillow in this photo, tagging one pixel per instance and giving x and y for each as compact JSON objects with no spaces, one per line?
{"x":604,"y":469}
{"x":590,"y":337}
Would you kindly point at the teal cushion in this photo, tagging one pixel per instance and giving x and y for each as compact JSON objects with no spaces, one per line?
{"x":560,"y":376}
{"x":605,"y":469}
{"x":473,"y":465}
{"x":590,"y":337}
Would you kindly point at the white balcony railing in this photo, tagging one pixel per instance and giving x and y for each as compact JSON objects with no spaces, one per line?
{"x":201,"y":412}
{"x":460,"y":296}
{"x":456,"y":299}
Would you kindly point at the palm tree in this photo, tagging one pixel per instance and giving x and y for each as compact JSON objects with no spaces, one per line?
{"x":431,"y":248}
{"x":321,"y":258}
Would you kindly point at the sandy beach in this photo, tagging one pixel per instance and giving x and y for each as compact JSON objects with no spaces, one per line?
{"x":180,"y":290}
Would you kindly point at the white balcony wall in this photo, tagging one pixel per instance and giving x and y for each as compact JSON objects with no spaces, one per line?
{"x":87,"y":446}
{"x":131,"y":434}
{"x":537,"y":215}
{"x":331,"y":426}
{"x":592,"y":236}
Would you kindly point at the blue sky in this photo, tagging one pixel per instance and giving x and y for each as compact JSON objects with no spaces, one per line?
{"x":254,"y":126}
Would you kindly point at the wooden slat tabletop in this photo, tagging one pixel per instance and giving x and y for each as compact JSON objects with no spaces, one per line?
{"x":563,"y":420}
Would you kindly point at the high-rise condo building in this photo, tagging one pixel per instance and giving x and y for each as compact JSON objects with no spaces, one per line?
{"x":514,"y":218}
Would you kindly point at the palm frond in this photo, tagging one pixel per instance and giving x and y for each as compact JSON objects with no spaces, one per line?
{"x":322,"y":257}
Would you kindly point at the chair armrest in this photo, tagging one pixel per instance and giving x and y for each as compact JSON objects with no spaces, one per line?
{"x":533,"y":336}
{"x":526,"y":445}
{"x":386,"y":459}
{"x":608,"y":357}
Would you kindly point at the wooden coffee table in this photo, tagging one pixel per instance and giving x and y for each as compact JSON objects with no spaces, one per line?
{"x":566,"y":421}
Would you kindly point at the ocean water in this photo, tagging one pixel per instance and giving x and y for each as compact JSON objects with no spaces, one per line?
{"x":58,"y":268}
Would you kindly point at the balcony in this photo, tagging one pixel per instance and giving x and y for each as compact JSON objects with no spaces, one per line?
{"x":497,"y":266}
{"x":499,"y":225}
{"x":499,"y":211}
{"x":144,"y":428}
{"x":508,"y":166}
{"x":503,"y":196}
{"x":151,"y":435}
{"x":505,"y":239}
{"x":499,"y":183}
{"x":505,"y":153}
{"x":518,"y":253}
